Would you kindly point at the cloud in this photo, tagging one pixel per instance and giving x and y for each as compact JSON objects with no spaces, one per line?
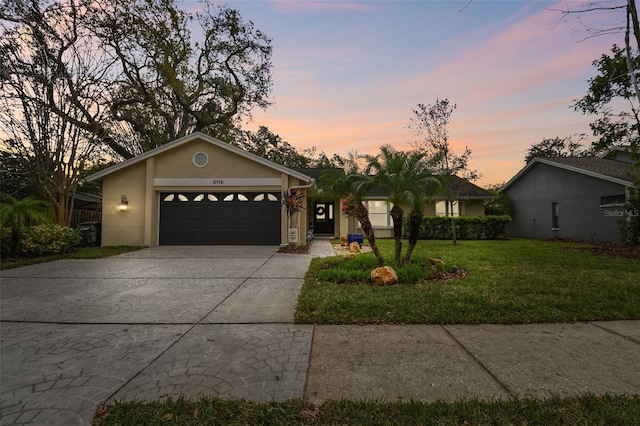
{"x":302,"y":6}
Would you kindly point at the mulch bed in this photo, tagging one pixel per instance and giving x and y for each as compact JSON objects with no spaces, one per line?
{"x":442,"y":275}
{"x":612,"y":250}
{"x":605,"y":249}
{"x":294,"y":250}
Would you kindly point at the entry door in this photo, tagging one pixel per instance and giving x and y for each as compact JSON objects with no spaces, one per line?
{"x":323,"y":218}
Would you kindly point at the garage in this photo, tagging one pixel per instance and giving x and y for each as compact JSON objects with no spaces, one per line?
{"x":198,"y":190}
{"x":219,"y":218}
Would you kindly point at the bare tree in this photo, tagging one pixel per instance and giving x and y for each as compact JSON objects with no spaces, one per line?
{"x":430,"y":123}
{"x":132,"y":70}
{"x":47,"y":148}
{"x":44,"y":77}
{"x":170,"y":85}
{"x":631,"y":27}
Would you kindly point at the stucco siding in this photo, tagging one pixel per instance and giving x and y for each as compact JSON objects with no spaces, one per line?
{"x":124,"y":227}
{"x":178,"y":163}
{"x":173,"y":170}
{"x":578,"y":196}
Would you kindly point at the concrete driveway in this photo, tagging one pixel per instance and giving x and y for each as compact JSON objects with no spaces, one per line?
{"x":159,"y":322}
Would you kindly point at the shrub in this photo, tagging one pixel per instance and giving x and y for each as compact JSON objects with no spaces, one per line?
{"x":5,"y":241}
{"x":48,"y":239}
{"x":468,"y":227}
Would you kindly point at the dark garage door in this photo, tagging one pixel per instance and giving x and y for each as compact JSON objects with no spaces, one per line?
{"x":241,"y":218}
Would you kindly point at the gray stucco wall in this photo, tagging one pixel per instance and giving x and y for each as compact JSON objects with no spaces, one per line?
{"x":578,"y":198}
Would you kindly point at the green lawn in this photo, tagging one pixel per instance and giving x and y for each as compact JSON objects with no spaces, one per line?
{"x":511,"y":281}
{"x":79,"y":253}
{"x":585,"y":410}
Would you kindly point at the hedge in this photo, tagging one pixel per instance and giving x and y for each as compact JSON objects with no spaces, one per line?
{"x":467,"y":228}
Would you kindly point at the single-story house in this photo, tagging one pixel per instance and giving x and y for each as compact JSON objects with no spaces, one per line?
{"x":325,"y":215}
{"x":578,"y":198}
{"x":199,"y":190}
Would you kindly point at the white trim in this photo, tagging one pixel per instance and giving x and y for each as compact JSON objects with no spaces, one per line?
{"x":216,"y":181}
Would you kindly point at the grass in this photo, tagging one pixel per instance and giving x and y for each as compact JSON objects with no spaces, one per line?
{"x":512,"y":281}
{"x":79,"y":253}
{"x":584,"y":410}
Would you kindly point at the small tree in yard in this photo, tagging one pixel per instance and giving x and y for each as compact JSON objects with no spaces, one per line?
{"x":403,"y":177}
{"x":430,"y":124}
{"x":352,"y":187}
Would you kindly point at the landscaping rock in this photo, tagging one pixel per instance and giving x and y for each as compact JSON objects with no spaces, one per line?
{"x":354,"y":247}
{"x":384,"y":275}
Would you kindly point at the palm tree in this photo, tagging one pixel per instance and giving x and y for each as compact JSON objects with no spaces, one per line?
{"x":353,"y":187}
{"x":18,"y":214}
{"x":403,"y":177}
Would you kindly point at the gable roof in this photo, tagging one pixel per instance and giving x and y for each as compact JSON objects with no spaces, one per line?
{"x":189,"y":138}
{"x":463,"y":189}
{"x":619,"y":172}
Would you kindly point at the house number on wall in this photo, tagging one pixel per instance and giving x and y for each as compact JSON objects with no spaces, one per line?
{"x":217,"y":182}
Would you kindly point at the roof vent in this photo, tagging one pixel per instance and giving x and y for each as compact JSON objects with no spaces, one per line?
{"x":200,"y":159}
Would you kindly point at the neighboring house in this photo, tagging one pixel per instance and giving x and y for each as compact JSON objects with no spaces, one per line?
{"x":325,"y":216}
{"x":198,"y":190}
{"x":571,"y":197}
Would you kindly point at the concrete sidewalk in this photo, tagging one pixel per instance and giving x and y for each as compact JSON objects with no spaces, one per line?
{"x":449,"y":363}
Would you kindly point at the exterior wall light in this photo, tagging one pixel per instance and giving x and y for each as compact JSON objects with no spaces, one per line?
{"x":123,"y":203}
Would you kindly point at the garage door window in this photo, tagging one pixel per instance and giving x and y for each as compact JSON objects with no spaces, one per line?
{"x":202,"y":197}
{"x":269,"y":197}
{"x":171,"y":197}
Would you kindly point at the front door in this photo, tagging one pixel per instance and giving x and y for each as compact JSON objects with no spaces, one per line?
{"x":323,"y":214}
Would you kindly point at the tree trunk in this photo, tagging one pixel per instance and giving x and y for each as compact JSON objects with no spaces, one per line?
{"x":363,"y":217}
{"x":453,"y":226}
{"x":396,"y":214}
{"x":632,"y":14}
{"x":415,"y":221}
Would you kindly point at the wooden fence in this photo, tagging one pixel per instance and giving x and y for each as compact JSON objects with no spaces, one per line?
{"x":80,"y":216}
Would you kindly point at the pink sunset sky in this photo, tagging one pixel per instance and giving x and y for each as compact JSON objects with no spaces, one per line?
{"x":347,"y":74}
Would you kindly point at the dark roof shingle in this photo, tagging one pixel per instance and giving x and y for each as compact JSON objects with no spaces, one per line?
{"x":602,"y":166}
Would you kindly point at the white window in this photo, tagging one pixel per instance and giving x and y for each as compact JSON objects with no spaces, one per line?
{"x":445,"y":208}
{"x":379,"y":213}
